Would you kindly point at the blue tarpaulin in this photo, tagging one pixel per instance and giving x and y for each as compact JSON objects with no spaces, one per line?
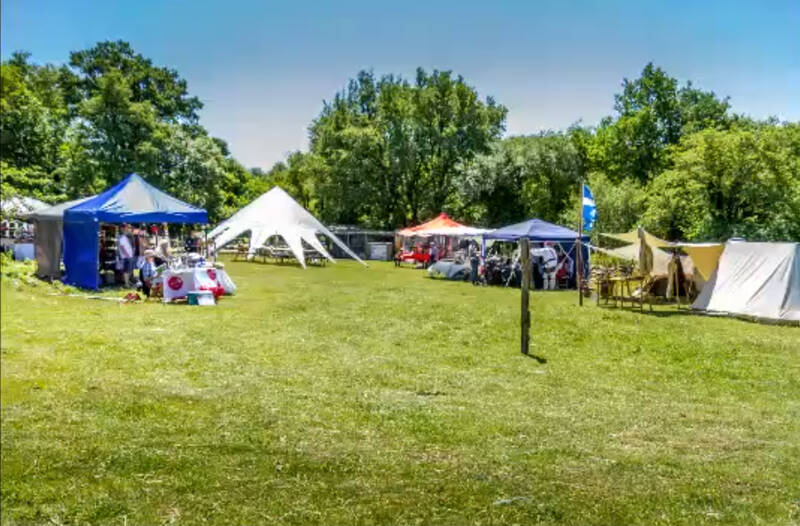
{"x":132,"y":200}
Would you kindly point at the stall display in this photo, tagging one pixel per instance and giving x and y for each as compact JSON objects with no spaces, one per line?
{"x":446,"y":234}
{"x":131,"y":201}
{"x":16,"y":233}
{"x":176,"y":284}
{"x":108,"y":248}
{"x":415,"y":256}
{"x":201,"y":298}
{"x":507,"y":271}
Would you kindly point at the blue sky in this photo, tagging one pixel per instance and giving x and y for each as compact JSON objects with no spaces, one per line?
{"x":263,"y":68}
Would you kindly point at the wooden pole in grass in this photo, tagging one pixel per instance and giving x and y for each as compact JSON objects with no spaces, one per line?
{"x":525,"y":320}
{"x":579,"y":244}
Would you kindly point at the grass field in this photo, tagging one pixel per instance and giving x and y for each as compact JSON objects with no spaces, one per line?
{"x":344,"y":395}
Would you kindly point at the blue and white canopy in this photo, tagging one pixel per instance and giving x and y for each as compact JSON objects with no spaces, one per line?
{"x":132,"y":200}
{"x":535,"y":230}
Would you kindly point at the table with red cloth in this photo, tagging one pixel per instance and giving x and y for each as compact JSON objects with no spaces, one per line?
{"x":176,"y":284}
{"x":414,"y":257}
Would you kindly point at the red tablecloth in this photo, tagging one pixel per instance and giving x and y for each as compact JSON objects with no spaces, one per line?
{"x":418,"y":257}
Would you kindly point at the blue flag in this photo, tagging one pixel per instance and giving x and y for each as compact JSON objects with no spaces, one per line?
{"x":589,"y":209}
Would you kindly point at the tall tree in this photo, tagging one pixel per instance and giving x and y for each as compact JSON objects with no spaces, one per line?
{"x":393,"y":149}
{"x":72,"y":131}
{"x":535,"y":176}
{"x":33,"y":118}
{"x":162,"y":87}
{"x":740,"y":182}
{"x":652,"y":114}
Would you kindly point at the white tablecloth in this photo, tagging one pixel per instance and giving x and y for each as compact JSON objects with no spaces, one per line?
{"x":177,"y":284}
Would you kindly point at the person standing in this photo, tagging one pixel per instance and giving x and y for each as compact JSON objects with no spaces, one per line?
{"x":474,"y":261}
{"x":434,"y":252}
{"x":125,"y":255}
{"x":550,"y":259}
{"x":549,"y":264}
{"x":163,"y":250}
{"x":148,"y":272}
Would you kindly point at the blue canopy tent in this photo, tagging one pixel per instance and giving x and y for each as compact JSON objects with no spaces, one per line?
{"x":539,"y":231}
{"x":132,"y":200}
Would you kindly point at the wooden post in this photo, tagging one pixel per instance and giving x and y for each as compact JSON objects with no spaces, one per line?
{"x":579,"y":244}
{"x":525,"y":320}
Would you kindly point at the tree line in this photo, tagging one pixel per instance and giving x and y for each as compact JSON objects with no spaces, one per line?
{"x":386,"y":152}
{"x":73,"y":130}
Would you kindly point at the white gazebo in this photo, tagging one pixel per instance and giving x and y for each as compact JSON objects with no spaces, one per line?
{"x":275,"y":213}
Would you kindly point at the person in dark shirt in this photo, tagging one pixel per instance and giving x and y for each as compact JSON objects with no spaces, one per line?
{"x":147,"y":272}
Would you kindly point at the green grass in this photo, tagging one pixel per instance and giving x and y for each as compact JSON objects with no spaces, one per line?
{"x":344,"y":395}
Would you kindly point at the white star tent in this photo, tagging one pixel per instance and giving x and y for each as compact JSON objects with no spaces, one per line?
{"x":275,"y":213}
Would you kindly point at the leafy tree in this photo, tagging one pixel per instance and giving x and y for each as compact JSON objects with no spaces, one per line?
{"x":452,"y":127}
{"x":524,"y":177}
{"x":29,"y":181}
{"x":652,"y":113}
{"x":114,"y":129}
{"x":161,"y":87}
{"x":730,"y":183}
{"x":298,"y":176}
{"x":75,"y":131}
{"x":393,"y":150}
{"x":30,"y":131}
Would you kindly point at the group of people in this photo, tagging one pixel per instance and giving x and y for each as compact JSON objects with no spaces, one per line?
{"x":145,"y":249}
{"x":142,"y":249}
{"x":550,"y":263}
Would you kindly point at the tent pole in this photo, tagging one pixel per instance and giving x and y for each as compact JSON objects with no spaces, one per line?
{"x":525,"y":320}
{"x":579,"y":258}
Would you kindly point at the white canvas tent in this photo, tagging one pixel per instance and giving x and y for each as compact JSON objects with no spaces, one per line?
{"x":760,"y":280}
{"x":18,"y":206}
{"x":275,"y":213}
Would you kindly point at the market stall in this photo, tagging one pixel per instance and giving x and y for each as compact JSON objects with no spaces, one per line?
{"x":441,"y":232}
{"x":16,"y":232}
{"x":89,"y":225}
{"x":541,"y":233}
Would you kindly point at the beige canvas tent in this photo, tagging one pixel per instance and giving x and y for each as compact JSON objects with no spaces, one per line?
{"x":759,"y":280}
{"x":633,"y":251}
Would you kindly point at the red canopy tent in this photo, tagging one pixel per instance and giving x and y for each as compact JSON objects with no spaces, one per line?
{"x":441,"y":225}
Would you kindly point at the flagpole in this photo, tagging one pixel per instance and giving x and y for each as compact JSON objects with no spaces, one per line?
{"x":579,"y":258}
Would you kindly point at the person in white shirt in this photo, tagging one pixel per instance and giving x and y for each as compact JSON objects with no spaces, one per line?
{"x":549,"y":264}
{"x":125,"y":255}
